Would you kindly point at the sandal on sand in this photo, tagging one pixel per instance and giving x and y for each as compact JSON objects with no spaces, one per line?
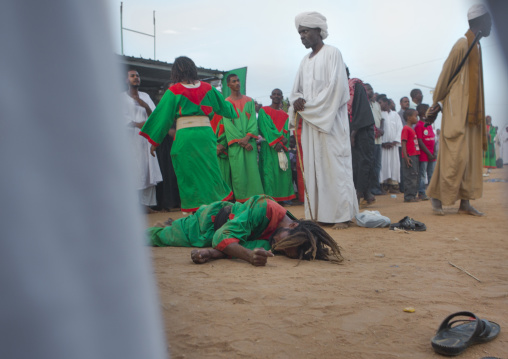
{"x":453,"y":340}
{"x":409,"y":224}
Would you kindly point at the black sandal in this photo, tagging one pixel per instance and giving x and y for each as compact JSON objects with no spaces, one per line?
{"x":453,"y":340}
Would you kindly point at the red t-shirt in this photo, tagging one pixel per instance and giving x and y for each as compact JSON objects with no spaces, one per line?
{"x":428,"y":137}
{"x":409,"y":135}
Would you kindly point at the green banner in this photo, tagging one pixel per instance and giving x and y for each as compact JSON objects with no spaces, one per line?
{"x":242,"y":76}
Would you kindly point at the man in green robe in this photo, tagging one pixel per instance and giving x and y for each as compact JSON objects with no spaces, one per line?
{"x":241,"y":134}
{"x":273,"y":126}
{"x":192,"y":104}
{"x":222,"y":148}
{"x":489,"y":156}
{"x":248,"y":231}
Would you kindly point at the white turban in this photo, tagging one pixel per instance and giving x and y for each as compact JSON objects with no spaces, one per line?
{"x":476,"y":11}
{"x":313,"y":20}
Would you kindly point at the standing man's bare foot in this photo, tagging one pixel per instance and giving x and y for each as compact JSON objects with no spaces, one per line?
{"x":200,"y":256}
{"x":437,"y":206}
{"x":342,"y":225}
{"x":466,"y":208}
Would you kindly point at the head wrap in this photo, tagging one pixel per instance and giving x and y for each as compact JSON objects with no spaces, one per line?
{"x":313,"y":20}
{"x":476,"y":11}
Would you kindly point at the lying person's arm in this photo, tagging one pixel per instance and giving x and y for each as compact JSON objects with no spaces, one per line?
{"x":257,"y":257}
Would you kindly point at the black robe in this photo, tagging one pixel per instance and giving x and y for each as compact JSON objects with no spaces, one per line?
{"x":167,"y":193}
{"x":363,"y":151}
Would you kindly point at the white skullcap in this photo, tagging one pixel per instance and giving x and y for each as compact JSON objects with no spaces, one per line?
{"x":476,"y":11}
{"x":313,"y":20}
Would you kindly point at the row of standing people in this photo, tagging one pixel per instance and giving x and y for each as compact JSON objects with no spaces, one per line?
{"x":214,"y":140}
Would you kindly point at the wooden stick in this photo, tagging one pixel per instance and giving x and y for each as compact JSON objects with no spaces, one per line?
{"x":465,"y":271}
{"x":299,"y":151}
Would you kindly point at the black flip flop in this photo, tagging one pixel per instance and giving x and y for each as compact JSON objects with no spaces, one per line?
{"x":453,"y":340}
{"x":409,"y":224}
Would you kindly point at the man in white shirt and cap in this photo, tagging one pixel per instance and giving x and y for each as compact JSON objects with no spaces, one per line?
{"x":320,"y":95}
{"x":458,"y":173}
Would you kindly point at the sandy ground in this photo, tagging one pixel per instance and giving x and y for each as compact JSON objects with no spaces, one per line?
{"x":230,"y":309}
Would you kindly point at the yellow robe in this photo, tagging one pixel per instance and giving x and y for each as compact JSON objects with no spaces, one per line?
{"x":458,"y":172}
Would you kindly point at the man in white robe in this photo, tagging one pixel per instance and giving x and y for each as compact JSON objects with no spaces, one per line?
{"x":390,"y":160}
{"x":320,"y":96}
{"x":137,"y":107}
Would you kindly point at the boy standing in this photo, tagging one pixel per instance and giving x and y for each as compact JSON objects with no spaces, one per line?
{"x":426,"y":141}
{"x":410,"y":154}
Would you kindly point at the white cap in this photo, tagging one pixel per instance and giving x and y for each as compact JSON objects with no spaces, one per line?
{"x":476,"y":11}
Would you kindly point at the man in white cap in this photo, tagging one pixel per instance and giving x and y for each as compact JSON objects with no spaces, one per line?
{"x":320,"y":95}
{"x":458,"y":173}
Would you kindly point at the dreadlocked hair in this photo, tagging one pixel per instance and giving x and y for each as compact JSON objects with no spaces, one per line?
{"x":184,"y":70}
{"x":313,"y":242}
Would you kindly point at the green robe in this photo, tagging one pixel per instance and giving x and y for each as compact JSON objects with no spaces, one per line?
{"x":489,"y":156}
{"x":223,"y":158}
{"x":244,"y":165}
{"x":194,"y":149}
{"x":250,"y":224}
{"x":273,"y":126}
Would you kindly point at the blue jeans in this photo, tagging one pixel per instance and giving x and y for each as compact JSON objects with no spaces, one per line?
{"x":375,"y":187}
{"x":426,"y":168}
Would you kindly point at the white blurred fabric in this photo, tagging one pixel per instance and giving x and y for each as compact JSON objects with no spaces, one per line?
{"x":75,"y":274}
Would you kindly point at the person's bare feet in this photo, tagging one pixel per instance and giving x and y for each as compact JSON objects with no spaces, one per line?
{"x":343,"y":225}
{"x":466,"y":208}
{"x":437,"y":206}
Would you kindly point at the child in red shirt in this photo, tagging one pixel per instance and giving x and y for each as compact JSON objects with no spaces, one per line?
{"x":410,"y":153}
{"x":427,"y":142}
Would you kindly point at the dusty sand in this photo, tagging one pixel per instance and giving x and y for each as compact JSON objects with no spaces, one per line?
{"x":230,"y":309}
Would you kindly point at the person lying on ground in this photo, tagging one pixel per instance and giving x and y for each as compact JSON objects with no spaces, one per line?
{"x":249,"y":231}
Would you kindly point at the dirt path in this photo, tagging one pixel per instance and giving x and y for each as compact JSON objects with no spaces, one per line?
{"x":229,"y":309}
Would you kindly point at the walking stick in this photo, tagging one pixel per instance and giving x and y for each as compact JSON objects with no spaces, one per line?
{"x":299,"y":151}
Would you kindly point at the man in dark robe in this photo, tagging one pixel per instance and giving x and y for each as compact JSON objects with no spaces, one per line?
{"x":361,"y":125}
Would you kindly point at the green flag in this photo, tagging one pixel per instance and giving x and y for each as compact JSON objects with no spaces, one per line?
{"x":242,"y":76}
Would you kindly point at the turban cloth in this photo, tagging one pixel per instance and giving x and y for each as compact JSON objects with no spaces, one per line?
{"x":476,"y":11}
{"x":312,"y":20}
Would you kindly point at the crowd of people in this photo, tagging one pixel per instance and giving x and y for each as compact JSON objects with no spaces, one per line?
{"x":351,"y":143}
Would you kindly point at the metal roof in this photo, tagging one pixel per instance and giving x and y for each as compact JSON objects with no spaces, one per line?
{"x":155,"y":74}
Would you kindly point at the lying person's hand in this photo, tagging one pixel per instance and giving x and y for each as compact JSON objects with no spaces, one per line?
{"x":260,"y":256}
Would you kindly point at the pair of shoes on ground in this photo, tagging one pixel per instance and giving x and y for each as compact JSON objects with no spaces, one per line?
{"x":454,"y":337}
{"x":409,"y":224}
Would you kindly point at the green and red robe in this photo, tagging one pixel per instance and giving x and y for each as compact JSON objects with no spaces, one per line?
{"x":273,"y":126}
{"x":223,"y":158}
{"x":244,"y":164}
{"x":250,"y":224}
{"x":489,"y":156}
{"x":194,"y":150}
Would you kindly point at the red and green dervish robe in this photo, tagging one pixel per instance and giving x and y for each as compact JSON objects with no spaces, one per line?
{"x":194,"y":150}
{"x":223,"y":158}
{"x":250,"y":224}
{"x":244,"y":164}
{"x":273,"y":126}
{"x":489,"y":156}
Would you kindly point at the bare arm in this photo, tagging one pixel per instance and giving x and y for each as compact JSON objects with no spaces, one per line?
{"x":425,"y":149}
{"x":257,"y":257}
